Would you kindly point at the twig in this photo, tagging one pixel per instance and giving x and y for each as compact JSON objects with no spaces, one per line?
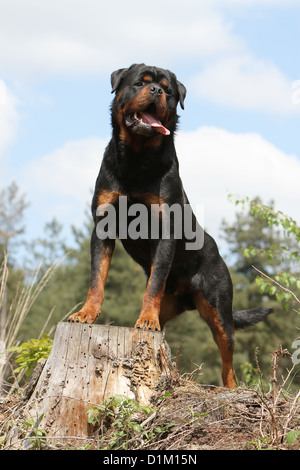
{"x":277,"y":283}
{"x":292,"y":412}
{"x":150,"y":418}
{"x":16,"y":383}
{"x":259,"y":370}
{"x":273,"y":416}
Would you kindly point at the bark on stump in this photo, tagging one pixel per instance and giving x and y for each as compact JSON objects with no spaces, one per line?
{"x":90,"y":363}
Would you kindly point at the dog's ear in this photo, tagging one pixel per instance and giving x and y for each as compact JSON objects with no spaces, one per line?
{"x":116,"y":78}
{"x":181,"y":92}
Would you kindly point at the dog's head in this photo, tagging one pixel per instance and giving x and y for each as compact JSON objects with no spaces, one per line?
{"x":145,"y":103}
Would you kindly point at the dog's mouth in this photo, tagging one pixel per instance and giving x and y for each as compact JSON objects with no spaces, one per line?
{"x":145,"y":122}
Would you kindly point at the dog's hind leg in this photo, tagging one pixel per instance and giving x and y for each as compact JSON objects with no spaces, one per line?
{"x":224,"y":338}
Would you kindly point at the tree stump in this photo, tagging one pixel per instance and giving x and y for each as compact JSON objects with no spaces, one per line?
{"x":91,"y":363}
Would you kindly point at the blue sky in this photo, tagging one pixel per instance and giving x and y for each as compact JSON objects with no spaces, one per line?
{"x":239,"y":132}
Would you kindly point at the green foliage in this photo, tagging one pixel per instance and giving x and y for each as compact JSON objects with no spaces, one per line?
{"x":292,"y":435}
{"x":34,"y":434}
{"x":28,"y":431}
{"x":264,"y":246}
{"x":250,"y":374}
{"x":261,"y":444}
{"x":276,"y":218}
{"x":196,"y":417}
{"x":117,"y":419}
{"x":287,"y":253}
{"x":32,"y":352}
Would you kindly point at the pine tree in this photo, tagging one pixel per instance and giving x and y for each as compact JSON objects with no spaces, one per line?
{"x":256,"y":242}
{"x":12,"y":207}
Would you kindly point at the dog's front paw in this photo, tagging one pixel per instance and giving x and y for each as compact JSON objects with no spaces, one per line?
{"x":83,"y":316}
{"x":148,"y":321}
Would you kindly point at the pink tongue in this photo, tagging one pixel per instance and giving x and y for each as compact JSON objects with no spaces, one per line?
{"x":149,"y":119}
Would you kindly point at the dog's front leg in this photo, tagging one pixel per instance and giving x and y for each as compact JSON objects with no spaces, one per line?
{"x":101,"y":254}
{"x":160,"y":268}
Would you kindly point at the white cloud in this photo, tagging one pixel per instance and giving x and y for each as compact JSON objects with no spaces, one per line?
{"x":261,"y":3}
{"x":67,"y":37}
{"x":60,"y":184}
{"x":213,"y":163}
{"x":70,"y":38}
{"x":81,"y":38}
{"x":69,"y":169}
{"x":8,"y":118}
{"x":245,"y":82}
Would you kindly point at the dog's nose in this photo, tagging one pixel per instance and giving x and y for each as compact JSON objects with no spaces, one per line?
{"x":156,"y":91}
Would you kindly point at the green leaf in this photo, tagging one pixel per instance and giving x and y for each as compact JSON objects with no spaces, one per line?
{"x":147,"y":409}
{"x":30,"y":422}
{"x":135,"y":426}
{"x":118,"y":399}
{"x":291,"y":436}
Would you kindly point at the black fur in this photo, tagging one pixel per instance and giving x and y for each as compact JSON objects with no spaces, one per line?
{"x":140,"y":163}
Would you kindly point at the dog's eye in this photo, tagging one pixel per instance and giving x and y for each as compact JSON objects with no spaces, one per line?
{"x":139,"y":84}
{"x":167,"y":90}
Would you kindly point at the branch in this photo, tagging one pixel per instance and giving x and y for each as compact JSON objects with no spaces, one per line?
{"x":277,"y":283}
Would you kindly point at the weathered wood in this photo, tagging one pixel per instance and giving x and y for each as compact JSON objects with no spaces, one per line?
{"x":90,"y":363}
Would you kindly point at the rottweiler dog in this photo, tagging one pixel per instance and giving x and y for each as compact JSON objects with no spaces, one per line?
{"x":184,"y":269}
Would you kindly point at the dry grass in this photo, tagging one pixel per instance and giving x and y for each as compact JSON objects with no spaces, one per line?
{"x":13,"y":315}
{"x":193,"y":416}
